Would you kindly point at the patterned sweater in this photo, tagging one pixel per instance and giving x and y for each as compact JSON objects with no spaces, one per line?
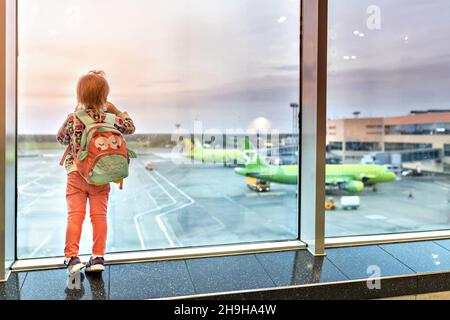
{"x":72,"y":130}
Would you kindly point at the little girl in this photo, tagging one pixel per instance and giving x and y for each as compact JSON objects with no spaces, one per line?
{"x":92,"y":95}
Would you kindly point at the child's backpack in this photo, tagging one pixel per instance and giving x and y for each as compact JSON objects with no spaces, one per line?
{"x":103,"y":156}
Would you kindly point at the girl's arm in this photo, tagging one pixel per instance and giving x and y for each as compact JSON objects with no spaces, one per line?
{"x":124,"y":123}
{"x":63,"y":135}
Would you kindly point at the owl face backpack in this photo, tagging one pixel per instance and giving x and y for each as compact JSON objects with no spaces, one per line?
{"x":103,"y":157}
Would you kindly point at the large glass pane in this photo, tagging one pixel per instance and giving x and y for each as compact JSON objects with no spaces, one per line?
{"x":389,"y":117}
{"x":9,"y":138}
{"x":213,"y":88}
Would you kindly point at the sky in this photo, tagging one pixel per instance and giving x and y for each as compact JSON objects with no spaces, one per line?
{"x":227,"y":62}
{"x":402,"y":66}
{"x":223,"y":62}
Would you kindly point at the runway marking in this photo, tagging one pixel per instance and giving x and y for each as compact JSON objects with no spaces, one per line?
{"x":21,"y":211}
{"x":246,"y":209}
{"x":286,"y":228}
{"x":163,"y":228}
{"x":144,"y":189}
{"x":38,"y":183}
{"x":158,"y":218}
{"x":163,"y":189}
{"x":43,"y":243}
{"x":237,"y":203}
{"x":375,"y":217}
{"x":21,"y":188}
{"x":443,"y":185}
{"x":175,"y":187}
{"x":219,"y":222}
{"x":31,"y":182}
{"x":139,"y":232}
{"x":158,"y":208}
{"x":265,"y":195}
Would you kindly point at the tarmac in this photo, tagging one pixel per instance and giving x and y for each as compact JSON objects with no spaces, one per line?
{"x":196,"y":204}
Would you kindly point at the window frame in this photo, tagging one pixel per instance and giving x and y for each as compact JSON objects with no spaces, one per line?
{"x":8,"y":134}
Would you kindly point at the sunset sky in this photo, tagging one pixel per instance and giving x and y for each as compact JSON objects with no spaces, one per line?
{"x":226,"y":62}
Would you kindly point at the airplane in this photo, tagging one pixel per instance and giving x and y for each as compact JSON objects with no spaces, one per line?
{"x":350,"y":178}
{"x":228,"y":157}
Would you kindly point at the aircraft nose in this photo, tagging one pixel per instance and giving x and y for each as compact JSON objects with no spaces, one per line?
{"x":391,"y":176}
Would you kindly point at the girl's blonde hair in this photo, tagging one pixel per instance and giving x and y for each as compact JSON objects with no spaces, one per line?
{"x":93,"y":90}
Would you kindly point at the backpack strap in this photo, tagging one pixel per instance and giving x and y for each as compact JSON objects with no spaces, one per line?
{"x":66,"y":153}
{"x":110,"y":119}
{"x":85,"y":118}
{"x":63,"y":159}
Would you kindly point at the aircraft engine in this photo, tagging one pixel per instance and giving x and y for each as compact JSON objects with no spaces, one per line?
{"x":354,"y":186}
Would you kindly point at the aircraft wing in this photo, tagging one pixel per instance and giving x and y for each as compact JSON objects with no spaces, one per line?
{"x":254,"y":174}
{"x":336,"y":181}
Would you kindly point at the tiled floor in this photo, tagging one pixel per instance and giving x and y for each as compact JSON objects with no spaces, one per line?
{"x":416,"y":268}
{"x":150,"y":280}
{"x":362,"y":262}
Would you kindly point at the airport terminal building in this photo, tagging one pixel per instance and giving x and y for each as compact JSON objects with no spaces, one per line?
{"x":418,"y":140}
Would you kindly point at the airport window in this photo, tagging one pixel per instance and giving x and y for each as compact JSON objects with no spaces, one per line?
{"x":419,"y":129}
{"x":362,"y":146}
{"x":382,"y":67}
{"x":406,"y":146}
{"x":335,"y":146}
{"x":213,"y":87}
{"x":447,"y":150}
{"x":447,"y":168}
{"x":375,"y":133}
{"x":419,"y":156}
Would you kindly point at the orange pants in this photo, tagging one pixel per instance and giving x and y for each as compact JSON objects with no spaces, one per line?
{"x":77,"y":193}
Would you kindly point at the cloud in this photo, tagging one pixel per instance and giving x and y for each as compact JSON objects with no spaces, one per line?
{"x":391,"y":91}
{"x":293,"y":68}
{"x":390,"y":76}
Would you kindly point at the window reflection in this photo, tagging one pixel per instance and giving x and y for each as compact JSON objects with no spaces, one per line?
{"x":389,"y":110}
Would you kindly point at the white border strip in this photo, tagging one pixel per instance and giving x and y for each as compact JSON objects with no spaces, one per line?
{"x":389,"y":238}
{"x":228,"y":250}
{"x":165,"y":255}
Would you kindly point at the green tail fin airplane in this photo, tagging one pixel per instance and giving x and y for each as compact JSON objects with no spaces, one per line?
{"x":351,"y":178}
{"x":198,"y":152}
